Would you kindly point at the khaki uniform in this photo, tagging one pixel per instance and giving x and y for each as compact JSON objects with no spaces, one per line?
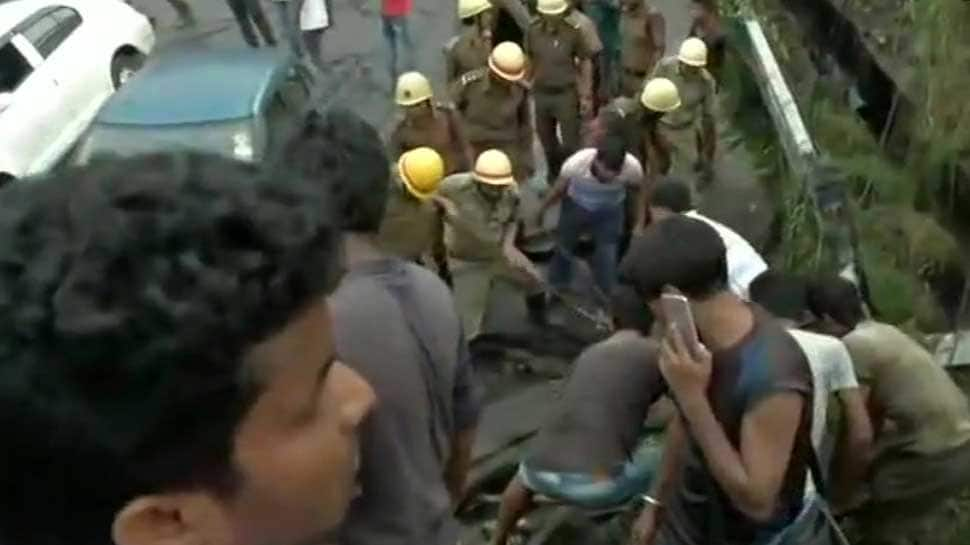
{"x":465,"y":52}
{"x":474,"y":245}
{"x":553,"y":54}
{"x":411,"y":228}
{"x":683,"y":127}
{"x":441,"y":132}
{"x":640,"y":46}
{"x":497,"y":114}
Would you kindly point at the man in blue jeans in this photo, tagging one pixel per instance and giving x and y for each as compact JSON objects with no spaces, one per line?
{"x":587,"y":453}
{"x":592,"y":186}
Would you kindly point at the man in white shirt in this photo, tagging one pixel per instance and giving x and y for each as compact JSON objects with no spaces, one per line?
{"x":673,"y":196}
{"x":786,"y":297}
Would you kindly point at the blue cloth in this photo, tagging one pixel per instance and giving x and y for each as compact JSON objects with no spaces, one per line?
{"x":605,"y":225}
{"x":591,"y":194}
{"x":584,"y":490}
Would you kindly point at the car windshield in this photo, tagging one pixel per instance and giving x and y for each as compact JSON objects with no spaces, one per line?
{"x":232,"y":139}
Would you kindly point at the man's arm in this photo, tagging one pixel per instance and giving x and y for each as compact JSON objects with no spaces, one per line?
{"x":709,"y":121}
{"x":466,"y":398}
{"x":458,"y":133}
{"x":555,"y":195}
{"x":646,"y":525}
{"x":753,"y":477}
{"x":854,"y":452}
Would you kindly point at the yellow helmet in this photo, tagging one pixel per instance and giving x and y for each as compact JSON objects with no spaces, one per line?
{"x":471,"y":8}
{"x":421,"y":170}
{"x":507,"y":61}
{"x":693,"y":52}
{"x":412,"y":88}
{"x":552,"y":7}
{"x":660,"y":95}
{"x":493,"y":168}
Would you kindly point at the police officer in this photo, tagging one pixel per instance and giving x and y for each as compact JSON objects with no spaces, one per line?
{"x":643,"y":32}
{"x":637,"y":120}
{"x":692,"y":129}
{"x":411,"y":228}
{"x":495,"y":107}
{"x":562,"y":79}
{"x":423,"y":122}
{"x":469,"y":50}
{"x":481,"y":215}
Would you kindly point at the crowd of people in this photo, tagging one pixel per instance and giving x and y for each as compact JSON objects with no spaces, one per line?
{"x":200,"y":351}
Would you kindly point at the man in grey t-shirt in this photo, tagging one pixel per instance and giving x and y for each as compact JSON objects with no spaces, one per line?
{"x":394,"y":323}
{"x":584,"y":455}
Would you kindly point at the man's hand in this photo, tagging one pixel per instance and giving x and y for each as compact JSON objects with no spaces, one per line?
{"x":645,"y":527}
{"x":687,"y":372}
{"x":447,"y":206}
{"x":520,"y":262}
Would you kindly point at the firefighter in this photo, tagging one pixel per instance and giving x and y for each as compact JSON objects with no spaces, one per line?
{"x":692,"y":129}
{"x":495,"y":107}
{"x":562,"y":79}
{"x":411,"y":228}
{"x":643,"y":32}
{"x":481,"y":213}
{"x":424,"y":122}
{"x":469,"y":50}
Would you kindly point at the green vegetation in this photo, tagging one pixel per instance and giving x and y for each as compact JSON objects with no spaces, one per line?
{"x":911,"y":211}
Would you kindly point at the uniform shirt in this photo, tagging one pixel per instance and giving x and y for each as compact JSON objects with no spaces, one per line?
{"x":639,"y":46}
{"x":915,"y":393}
{"x":588,"y":32}
{"x":440,"y":132}
{"x":553,"y":52}
{"x":466,"y":52}
{"x":743,"y":261}
{"x":492,"y":110}
{"x":426,"y":393}
{"x":597,"y":423}
{"x":587,"y":191}
{"x":697,"y":94}
{"x":410,"y":227}
{"x":766,"y":362}
{"x":477,"y":233}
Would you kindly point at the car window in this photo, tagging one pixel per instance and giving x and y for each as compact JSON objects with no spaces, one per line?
{"x":50,"y":31}
{"x":14,"y":68}
{"x":68,"y":21}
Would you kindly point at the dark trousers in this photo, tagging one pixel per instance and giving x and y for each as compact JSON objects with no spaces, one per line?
{"x":247,"y":14}
{"x":560,"y":107}
{"x":605,"y":226}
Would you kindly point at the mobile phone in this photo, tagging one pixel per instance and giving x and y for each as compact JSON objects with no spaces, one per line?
{"x":676,"y":309}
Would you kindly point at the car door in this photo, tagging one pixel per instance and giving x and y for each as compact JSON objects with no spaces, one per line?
{"x":81,"y":86}
{"x":26,"y":123}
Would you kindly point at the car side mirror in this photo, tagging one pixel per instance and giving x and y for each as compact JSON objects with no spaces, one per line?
{"x":5,"y":100}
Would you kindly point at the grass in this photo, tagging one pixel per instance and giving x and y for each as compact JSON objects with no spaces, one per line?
{"x":908,"y":210}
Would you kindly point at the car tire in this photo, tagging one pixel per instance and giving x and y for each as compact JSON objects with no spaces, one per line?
{"x":123,"y":66}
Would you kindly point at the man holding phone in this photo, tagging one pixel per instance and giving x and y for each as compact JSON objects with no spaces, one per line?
{"x":736,"y":459}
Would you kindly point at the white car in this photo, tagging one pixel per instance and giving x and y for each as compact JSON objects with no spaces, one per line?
{"x":60,"y":60}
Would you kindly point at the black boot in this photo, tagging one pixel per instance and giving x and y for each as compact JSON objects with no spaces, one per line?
{"x":535,"y":304}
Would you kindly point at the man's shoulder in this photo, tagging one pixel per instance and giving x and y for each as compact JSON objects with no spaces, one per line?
{"x":455,"y":183}
{"x":578,"y":161}
{"x":622,"y":347}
